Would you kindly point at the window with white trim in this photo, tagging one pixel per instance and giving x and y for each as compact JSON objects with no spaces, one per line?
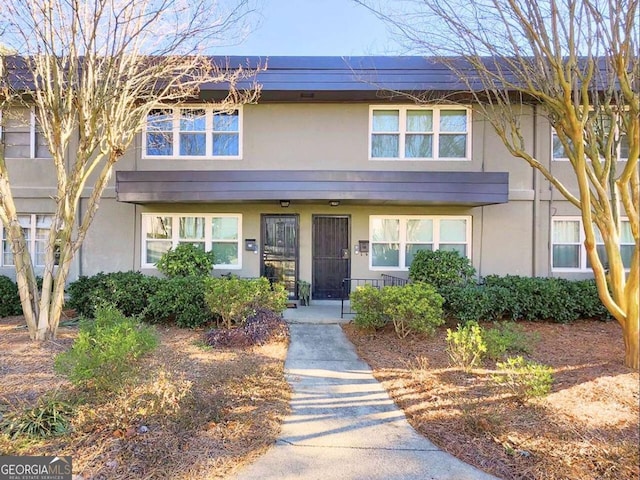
{"x":419,"y":133}
{"x":36,"y":232}
{"x":568,"y":250}
{"x":220,"y":233}
{"x":22,"y":134}
{"x":193,"y":132}
{"x":394,"y":240}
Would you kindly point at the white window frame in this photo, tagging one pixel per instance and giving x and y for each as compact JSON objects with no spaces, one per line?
{"x":582,"y":258}
{"x":31,"y":244}
{"x":175,"y":240}
{"x":33,"y":121}
{"x":402,"y":241}
{"x":210,"y":111}
{"x":402,"y":131}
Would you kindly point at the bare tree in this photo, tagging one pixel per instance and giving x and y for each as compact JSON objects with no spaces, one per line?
{"x":577,"y":61}
{"x":93,"y":70}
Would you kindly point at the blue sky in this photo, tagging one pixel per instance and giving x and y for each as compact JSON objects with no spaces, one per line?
{"x":315,"y":27}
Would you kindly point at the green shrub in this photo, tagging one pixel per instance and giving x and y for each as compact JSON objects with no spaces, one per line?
{"x":524,"y":378}
{"x":50,"y":417}
{"x":441,"y":268}
{"x":129,"y":292}
{"x":466,"y":345}
{"x":366,"y":301}
{"x":186,"y":260}
{"x":414,"y":308}
{"x":234,"y":299}
{"x":9,"y":298}
{"x":179,"y":300}
{"x":506,"y":337}
{"x":106,"y":350}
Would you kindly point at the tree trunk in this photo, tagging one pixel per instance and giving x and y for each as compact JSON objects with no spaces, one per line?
{"x":630,"y":331}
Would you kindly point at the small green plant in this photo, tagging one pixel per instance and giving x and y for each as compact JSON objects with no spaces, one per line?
{"x":186,"y":260}
{"x":9,"y":297}
{"x":466,"y":346}
{"x":233,"y":299}
{"x":50,"y":417}
{"x":366,"y":301}
{"x":523,"y":378}
{"x":441,"y":268}
{"x":413,"y":308}
{"x":106,"y":351}
{"x":304,"y":292}
{"x":506,"y":337}
{"x":179,"y":300}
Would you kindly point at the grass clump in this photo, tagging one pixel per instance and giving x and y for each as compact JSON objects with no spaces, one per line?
{"x":522,"y":378}
{"x":50,"y":417}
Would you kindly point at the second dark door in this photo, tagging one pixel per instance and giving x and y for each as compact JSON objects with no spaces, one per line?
{"x":331,"y":258}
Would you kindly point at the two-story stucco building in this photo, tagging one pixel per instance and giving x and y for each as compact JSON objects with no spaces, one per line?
{"x":328,"y":176}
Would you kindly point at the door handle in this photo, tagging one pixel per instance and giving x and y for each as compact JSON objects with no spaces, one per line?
{"x":345,"y":253}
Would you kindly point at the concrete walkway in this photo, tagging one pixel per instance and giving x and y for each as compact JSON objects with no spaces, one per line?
{"x":343,"y":425}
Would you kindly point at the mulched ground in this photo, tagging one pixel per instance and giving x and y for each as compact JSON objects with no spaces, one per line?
{"x":194,"y":411}
{"x":587,"y":428}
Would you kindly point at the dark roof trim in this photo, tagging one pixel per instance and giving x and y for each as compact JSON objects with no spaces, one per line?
{"x":357,"y":187}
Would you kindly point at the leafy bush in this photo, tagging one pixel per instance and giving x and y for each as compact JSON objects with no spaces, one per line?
{"x":506,"y":337}
{"x":235,"y":299}
{"x":367,"y":302}
{"x":180,"y":300}
{"x":414,"y":308}
{"x":524,"y":378}
{"x":129,"y":292}
{"x":106,"y":350}
{"x":466,"y":345}
{"x":263,"y":327}
{"x":186,"y":260}
{"x":441,"y":268}
{"x":50,"y":417}
{"x":9,"y":297}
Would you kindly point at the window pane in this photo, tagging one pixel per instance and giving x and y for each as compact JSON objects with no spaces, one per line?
{"x":193,"y":120}
{"x":155,"y":250}
{"x":419,"y":121}
{"x":225,"y":253}
{"x":385,"y":146}
{"x":159,"y":144}
{"x":385,"y":229}
{"x":16,"y":129}
{"x":453,"y":231}
{"x":419,"y":146}
{"x":461,"y":249}
{"x":224,"y":228}
{"x":453,"y":146}
{"x":191,"y":228}
{"x":385,"y":121}
{"x":411,"y":251}
{"x":602,"y":255}
{"x":624,"y":147}
{"x":225,"y":144}
{"x":625,"y":232}
{"x":566,"y":256}
{"x":193,"y":144}
{"x":420,"y":231}
{"x":158,"y":227}
{"x":626,"y":251}
{"x":160,"y":120}
{"x":566,"y":231}
{"x":558,"y":148}
{"x":385,"y":255}
{"x":226,"y":122}
{"x":453,"y":121}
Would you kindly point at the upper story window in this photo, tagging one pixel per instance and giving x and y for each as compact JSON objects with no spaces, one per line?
{"x":569,"y":252}
{"x":36,"y":232}
{"x":220,"y":233}
{"x":22,"y":135}
{"x":193,"y":132}
{"x":419,"y":133}
{"x":395,"y":240}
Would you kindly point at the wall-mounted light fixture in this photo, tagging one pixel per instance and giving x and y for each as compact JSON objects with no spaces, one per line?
{"x":285,"y":203}
{"x":334,"y":203}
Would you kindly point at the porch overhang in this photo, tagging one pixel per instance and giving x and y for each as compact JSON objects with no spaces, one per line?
{"x":309,"y":186}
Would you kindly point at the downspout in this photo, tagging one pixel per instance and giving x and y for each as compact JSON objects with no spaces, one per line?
{"x":536,"y":198}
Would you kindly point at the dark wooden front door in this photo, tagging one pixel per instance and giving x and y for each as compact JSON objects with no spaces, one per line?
{"x":331,"y":258}
{"x":280,"y":250}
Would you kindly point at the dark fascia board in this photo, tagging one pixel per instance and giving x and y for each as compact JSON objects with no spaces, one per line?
{"x":357,"y":187}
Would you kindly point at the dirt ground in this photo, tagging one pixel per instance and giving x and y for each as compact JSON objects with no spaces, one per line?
{"x":587,"y":428}
{"x":193,"y":413}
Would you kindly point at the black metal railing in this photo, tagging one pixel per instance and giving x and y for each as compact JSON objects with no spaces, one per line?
{"x":350,"y":284}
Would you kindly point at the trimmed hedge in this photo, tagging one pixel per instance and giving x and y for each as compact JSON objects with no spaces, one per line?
{"x":441,"y":268}
{"x":524,"y":298}
{"x":180,"y":300}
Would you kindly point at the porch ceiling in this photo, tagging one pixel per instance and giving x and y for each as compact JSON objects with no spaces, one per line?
{"x":349,"y":187}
